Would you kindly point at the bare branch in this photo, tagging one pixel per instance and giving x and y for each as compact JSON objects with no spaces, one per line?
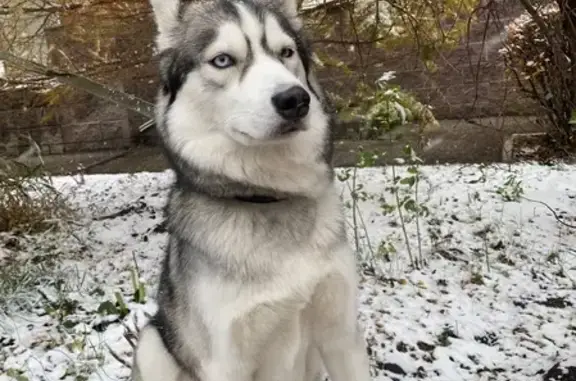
{"x":118,"y":97}
{"x":5,"y":10}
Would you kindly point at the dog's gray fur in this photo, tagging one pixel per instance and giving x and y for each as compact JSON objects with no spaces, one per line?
{"x":258,"y":282}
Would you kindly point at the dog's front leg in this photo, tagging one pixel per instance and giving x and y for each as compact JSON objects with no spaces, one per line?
{"x":337,"y":334}
{"x":344,"y":356}
{"x":229,"y":369}
{"x":228,"y":363}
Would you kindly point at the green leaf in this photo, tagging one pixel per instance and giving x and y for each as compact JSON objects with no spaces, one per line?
{"x":121,"y":305}
{"x":69,"y":324}
{"x":405,"y":200}
{"x":134,"y":277}
{"x":410,"y":205}
{"x":107,"y":308}
{"x":140,"y":294}
{"x":410,"y":181}
{"x":412,"y":170}
{"x":424,"y":211}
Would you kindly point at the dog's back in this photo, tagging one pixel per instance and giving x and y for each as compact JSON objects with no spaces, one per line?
{"x":258,"y":282}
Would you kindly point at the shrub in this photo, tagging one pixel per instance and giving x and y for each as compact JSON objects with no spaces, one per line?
{"x":388,"y":107}
{"x":539,"y":53}
{"x":28,"y":200}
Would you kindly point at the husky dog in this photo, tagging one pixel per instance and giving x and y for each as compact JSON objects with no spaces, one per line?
{"x":259,"y":282}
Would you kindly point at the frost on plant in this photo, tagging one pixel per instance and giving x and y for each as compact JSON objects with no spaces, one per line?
{"x":539,"y":53}
{"x":527,"y":50}
{"x":390,"y":107}
{"x":28,"y":200}
{"x":512,"y":189}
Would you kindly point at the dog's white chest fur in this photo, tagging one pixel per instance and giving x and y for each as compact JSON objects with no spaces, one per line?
{"x":266,"y":324}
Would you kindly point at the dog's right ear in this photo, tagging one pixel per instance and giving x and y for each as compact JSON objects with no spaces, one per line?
{"x":166,"y":17}
{"x":289,"y":8}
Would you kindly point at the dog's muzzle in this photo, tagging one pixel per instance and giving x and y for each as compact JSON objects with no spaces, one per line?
{"x":292,"y":105}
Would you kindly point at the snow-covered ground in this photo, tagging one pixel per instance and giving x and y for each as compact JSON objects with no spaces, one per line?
{"x":495,"y":301}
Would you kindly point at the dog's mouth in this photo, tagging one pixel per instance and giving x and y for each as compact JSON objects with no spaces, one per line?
{"x":286,"y":129}
{"x":283,"y":131}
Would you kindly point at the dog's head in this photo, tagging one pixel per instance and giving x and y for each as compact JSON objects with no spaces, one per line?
{"x":238,"y":66}
{"x":239,"y":97}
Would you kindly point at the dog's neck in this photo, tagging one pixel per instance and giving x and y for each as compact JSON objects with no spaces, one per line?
{"x":216,"y":186}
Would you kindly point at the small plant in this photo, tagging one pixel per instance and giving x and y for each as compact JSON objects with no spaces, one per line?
{"x":78,"y":344}
{"x":61,"y":308}
{"x":553,"y":257}
{"x":16,"y":374}
{"x":138,"y":286}
{"x":118,"y":306}
{"x":386,"y":250}
{"x":511,"y":190}
{"x":57,"y":301}
{"x":28,"y":200}
{"x":477,"y":279}
{"x":357,"y":193}
{"x":407,"y":203}
{"x":445,"y":336}
{"x":389,"y":107}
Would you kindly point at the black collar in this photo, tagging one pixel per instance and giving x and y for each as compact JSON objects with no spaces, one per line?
{"x":259,"y":199}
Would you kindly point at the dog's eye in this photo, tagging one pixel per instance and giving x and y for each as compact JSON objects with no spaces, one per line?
{"x":287,"y":53}
{"x":222,"y":61}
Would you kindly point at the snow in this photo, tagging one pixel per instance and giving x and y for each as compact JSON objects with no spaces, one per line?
{"x":453,"y":319}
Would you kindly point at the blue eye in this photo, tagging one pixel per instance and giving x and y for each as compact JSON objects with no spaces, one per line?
{"x":222,"y":61}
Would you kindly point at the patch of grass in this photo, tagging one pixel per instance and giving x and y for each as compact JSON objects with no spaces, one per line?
{"x":18,"y":278}
{"x":30,"y":206}
{"x":31,"y":271}
{"x":29,"y":203}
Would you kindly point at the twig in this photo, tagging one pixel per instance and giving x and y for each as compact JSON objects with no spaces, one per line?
{"x":402,"y":220}
{"x":100,"y":162}
{"x":120,"y":98}
{"x":355,"y":210}
{"x":118,"y":358}
{"x":122,"y":212}
{"x":556,"y":216}
{"x":416,"y":201}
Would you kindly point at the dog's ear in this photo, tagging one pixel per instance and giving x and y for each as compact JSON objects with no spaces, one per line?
{"x":166,"y":17}
{"x":288,"y":8}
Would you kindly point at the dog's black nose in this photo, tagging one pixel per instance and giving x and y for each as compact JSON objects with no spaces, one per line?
{"x":292,"y":104}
